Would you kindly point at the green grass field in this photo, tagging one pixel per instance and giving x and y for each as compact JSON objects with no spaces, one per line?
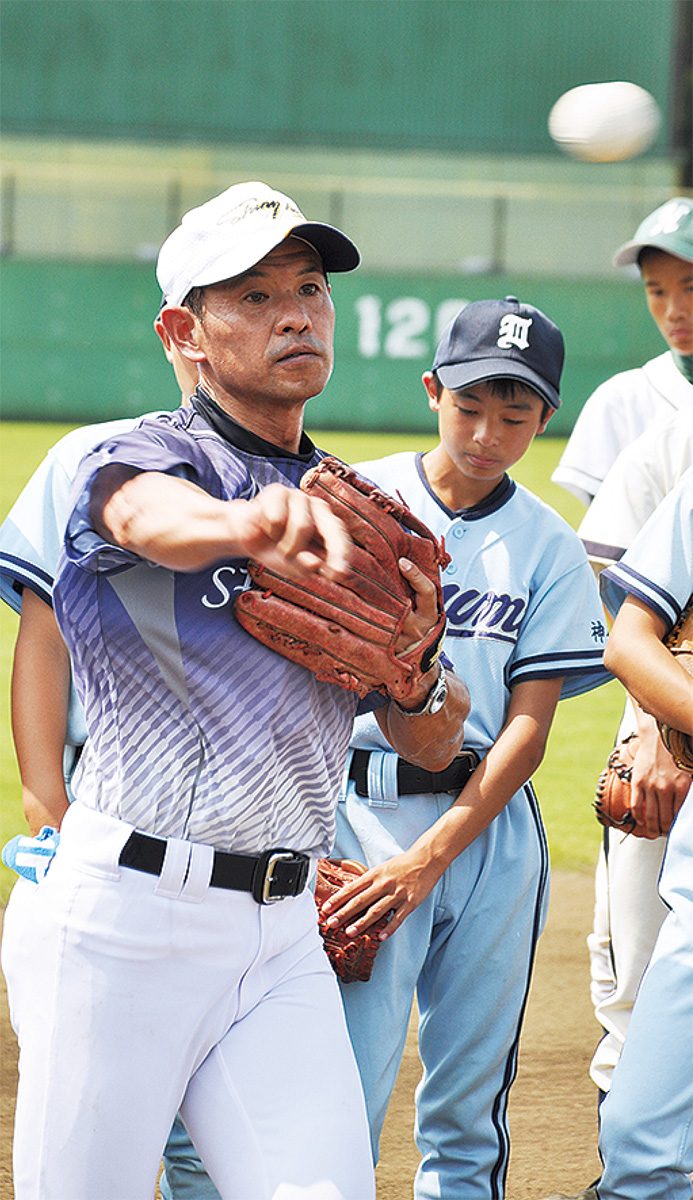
{"x":583,"y":730}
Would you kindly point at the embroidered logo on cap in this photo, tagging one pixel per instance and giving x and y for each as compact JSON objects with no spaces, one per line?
{"x":513,"y":331}
{"x":254,"y":205}
{"x":669,"y":218}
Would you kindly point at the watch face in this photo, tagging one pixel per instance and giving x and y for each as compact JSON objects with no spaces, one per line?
{"x":440,"y":692}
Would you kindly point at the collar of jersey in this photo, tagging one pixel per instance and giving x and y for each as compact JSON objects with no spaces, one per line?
{"x":495,"y":499}
{"x":684,"y":362}
{"x":241,"y":438}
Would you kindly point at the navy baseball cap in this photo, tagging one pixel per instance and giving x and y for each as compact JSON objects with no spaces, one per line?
{"x":492,"y":339}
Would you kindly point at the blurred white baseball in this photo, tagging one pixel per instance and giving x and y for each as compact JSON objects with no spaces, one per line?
{"x":604,"y":122}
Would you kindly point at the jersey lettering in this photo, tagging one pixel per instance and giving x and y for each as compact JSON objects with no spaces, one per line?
{"x":236,"y":584}
{"x":472,"y":613}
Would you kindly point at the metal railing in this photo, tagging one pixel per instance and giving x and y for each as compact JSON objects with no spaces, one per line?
{"x":454,"y":218}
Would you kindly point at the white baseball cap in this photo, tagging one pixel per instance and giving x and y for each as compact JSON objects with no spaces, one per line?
{"x":233,"y":231}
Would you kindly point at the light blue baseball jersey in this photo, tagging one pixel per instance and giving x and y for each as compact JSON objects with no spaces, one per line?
{"x":531,"y":614}
{"x":196,"y":730}
{"x":31,"y":536}
{"x":658,"y":566}
{"x":657,"y":569}
{"x":646,"y":1141}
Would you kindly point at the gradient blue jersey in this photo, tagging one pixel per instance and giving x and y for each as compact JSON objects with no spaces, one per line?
{"x":196,"y":731}
{"x":520,"y":596}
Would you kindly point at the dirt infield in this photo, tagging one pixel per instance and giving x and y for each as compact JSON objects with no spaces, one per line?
{"x":553,"y":1103}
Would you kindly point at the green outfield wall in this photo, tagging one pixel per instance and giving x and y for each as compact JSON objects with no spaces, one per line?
{"x":77,"y":343}
{"x":451,"y":75}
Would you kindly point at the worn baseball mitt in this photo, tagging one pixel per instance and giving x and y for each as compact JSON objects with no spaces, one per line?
{"x":346,"y":633}
{"x":612,"y":801}
{"x":352,"y":958}
{"x":679,"y":641}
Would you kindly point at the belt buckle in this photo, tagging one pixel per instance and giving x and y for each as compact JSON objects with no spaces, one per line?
{"x":262,"y":889}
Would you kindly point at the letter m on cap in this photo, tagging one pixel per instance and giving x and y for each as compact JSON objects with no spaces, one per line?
{"x":513,"y":331}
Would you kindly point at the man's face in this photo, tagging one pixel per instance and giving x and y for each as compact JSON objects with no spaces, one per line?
{"x":267,"y":335}
{"x":669,"y":290}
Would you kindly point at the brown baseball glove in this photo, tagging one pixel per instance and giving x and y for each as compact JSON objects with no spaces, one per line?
{"x":346,"y":633}
{"x":352,"y":958}
{"x":612,"y":801}
{"x":680,"y":642}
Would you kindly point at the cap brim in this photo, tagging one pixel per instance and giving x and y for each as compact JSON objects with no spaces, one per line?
{"x":630,"y":252}
{"x":337,"y":251}
{"x":463,"y":375}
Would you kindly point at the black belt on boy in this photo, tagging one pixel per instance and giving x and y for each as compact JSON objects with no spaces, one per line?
{"x":413,"y":780}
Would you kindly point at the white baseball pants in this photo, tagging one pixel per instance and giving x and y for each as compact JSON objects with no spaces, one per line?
{"x":134,"y":996}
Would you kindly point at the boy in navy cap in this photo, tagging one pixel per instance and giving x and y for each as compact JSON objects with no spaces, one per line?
{"x":462,"y":854}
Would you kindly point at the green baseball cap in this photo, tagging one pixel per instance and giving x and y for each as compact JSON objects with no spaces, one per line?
{"x":668,"y":228}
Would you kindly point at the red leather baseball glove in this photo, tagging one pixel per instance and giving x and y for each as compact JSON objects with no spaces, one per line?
{"x":352,"y":958}
{"x":346,"y":633}
{"x":679,"y":642}
{"x":612,"y":801}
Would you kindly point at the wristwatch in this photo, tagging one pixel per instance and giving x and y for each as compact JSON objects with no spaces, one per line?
{"x":435,"y":698}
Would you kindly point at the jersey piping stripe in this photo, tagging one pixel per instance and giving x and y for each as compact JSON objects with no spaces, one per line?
{"x":490,"y":504}
{"x":18,"y":570}
{"x":638,"y":585}
{"x":500,"y":1107}
{"x":601,"y":550}
{"x":475,"y":633}
{"x":597,"y":676}
{"x":576,"y":657}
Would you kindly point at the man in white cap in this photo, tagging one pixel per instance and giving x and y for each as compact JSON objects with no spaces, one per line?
{"x":173,"y":940}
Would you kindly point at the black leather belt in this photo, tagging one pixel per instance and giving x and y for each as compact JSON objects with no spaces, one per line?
{"x":270,"y":876}
{"x":413,"y":780}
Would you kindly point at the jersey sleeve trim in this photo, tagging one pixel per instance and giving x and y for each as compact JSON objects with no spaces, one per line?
{"x":620,"y":581}
{"x":17,"y":573}
{"x":582,"y":670}
{"x":602,"y":551}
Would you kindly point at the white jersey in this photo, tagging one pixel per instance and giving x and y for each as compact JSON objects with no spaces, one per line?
{"x":31,"y":536}
{"x":617,"y":413}
{"x":520,"y":597}
{"x":643,"y":474}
